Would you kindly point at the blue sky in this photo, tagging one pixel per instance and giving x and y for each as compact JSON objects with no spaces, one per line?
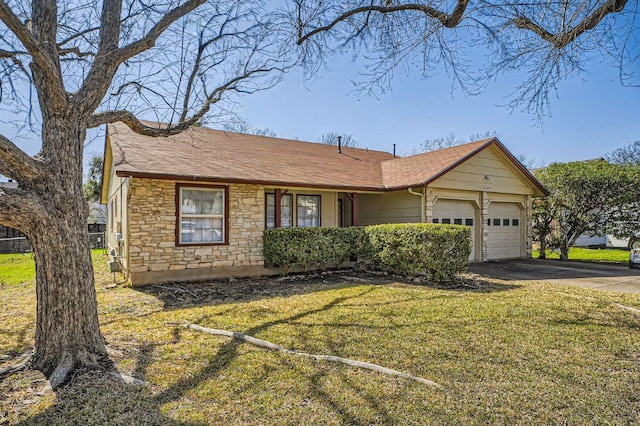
{"x":592,"y":115}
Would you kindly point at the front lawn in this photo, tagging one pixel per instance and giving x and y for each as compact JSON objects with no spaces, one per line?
{"x":591,"y":255}
{"x":505,"y":353}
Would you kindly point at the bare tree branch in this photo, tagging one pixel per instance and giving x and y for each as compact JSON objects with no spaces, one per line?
{"x":168,"y":129}
{"x":149,"y":40}
{"x":17,"y":206}
{"x":40,"y":57}
{"x":544,"y":41}
{"x":110,"y":56}
{"x":133,"y":123}
{"x":562,"y":39}
{"x":102,"y":71}
{"x":11,"y":54}
{"x":448,"y":20}
{"x":16,"y":164}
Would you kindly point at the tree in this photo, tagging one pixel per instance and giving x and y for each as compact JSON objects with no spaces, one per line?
{"x":90,"y":64}
{"x":543,"y":214}
{"x":584,"y":197}
{"x":451,"y":139}
{"x":544,"y":41}
{"x":93,"y":184}
{"x":331,"y":138}
{"x":240,"y":125}
{"x":628,"y":154}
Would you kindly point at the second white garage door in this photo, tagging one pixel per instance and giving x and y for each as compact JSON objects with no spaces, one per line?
{"x":457,"y":212}
{"x":505,"y":230}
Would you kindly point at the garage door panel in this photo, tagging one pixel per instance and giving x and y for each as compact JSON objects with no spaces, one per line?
{"x":504,"y":231}
{"x":457,"y":212}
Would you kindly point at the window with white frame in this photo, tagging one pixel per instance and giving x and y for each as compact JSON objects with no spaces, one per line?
{"x":286,"y":211}
{"x":308,"y":210}
{"x":201,"y":215}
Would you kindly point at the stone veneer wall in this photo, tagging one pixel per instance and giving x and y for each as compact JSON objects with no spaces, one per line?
{"x":152,"y":224}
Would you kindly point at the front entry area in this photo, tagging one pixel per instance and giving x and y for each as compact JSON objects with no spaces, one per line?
{"x":457,"y":212}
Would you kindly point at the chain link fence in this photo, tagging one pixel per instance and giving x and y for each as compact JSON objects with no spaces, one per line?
{"x":22,"y":245}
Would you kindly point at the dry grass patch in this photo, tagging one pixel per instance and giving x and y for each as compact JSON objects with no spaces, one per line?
{"x":506,"y":353}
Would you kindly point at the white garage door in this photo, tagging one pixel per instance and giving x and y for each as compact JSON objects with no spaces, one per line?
{"x":505,"y":230}
{"x":457,"y":212}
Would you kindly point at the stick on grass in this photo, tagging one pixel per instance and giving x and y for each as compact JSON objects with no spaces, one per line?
{"x":272,"y":346}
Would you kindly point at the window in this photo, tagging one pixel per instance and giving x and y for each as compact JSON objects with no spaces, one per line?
{"x":505,"y":222}
{"x":488,"y":222}
{"x":201,"y":215}
{"x":457,"y":221}
{"x":496,"y":222}
{"x":308,"y":210}
{"x":446,"y":221}
{"x":468,"y":222}
{"x":435,"y":220}
{"x":515,"y":222}
{"x":286,"y":210}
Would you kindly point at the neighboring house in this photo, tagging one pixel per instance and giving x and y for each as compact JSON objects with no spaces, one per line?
{"x":97,"y":220}
{"x":600,"y":241}
{"x":195,"y":205}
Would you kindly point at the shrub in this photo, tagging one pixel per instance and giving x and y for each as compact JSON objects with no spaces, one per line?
{"x":308,"y":247}
{"x":442,"y":251}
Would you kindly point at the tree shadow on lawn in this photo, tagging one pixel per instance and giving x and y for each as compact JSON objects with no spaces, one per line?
{"x":97,"y":398}
{"x":184,"y":295}
{"x":230,"y":351}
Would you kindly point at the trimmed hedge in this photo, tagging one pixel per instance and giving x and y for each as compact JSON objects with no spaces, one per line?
{"x":441,"y":251}
{"x":309,"y":247}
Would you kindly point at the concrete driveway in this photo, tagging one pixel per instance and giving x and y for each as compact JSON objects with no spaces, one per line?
{"x":587,"y":275}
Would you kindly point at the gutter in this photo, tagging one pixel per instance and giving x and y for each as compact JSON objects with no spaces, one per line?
{"x":423,"y":216}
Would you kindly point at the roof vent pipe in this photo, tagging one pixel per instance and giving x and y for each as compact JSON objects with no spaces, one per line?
{"x":339,"y":144}
{"x":394,"y":150}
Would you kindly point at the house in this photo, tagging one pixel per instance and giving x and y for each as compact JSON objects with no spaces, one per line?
{"x":194,"y":205}
{"x":97,"y":220}
{"x":601,"y":241}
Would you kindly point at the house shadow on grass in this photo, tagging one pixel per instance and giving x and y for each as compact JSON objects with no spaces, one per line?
{"x":183,"y":295}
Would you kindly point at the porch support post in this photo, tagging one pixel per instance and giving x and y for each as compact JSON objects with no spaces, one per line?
{"x":484,"y":229}
{"x":354,"y":209}
{"x":278,"y":208}
{"x":428,"y":205}
{"x":528,"y":225}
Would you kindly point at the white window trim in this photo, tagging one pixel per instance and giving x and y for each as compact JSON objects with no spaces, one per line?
{"x":182,"y":216}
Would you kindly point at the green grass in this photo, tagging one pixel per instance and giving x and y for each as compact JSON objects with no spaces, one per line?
{"x":16,"y":268}
{"x":591,"y":255}
{"x":506,"y":353}
{"x":20,"y":268}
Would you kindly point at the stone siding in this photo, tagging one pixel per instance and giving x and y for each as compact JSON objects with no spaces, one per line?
{"x":152,"y":230}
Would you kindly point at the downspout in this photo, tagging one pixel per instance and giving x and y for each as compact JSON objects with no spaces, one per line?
{"x":127,"y":241}
{"x":423,"y":217}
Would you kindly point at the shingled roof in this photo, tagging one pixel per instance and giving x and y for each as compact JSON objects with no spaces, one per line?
{"x":201,"y":154}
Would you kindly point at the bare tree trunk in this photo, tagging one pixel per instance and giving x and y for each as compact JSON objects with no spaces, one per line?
{"x":564,"y":250}
{"x":67,"y":330}
{"x":542,"y":254}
